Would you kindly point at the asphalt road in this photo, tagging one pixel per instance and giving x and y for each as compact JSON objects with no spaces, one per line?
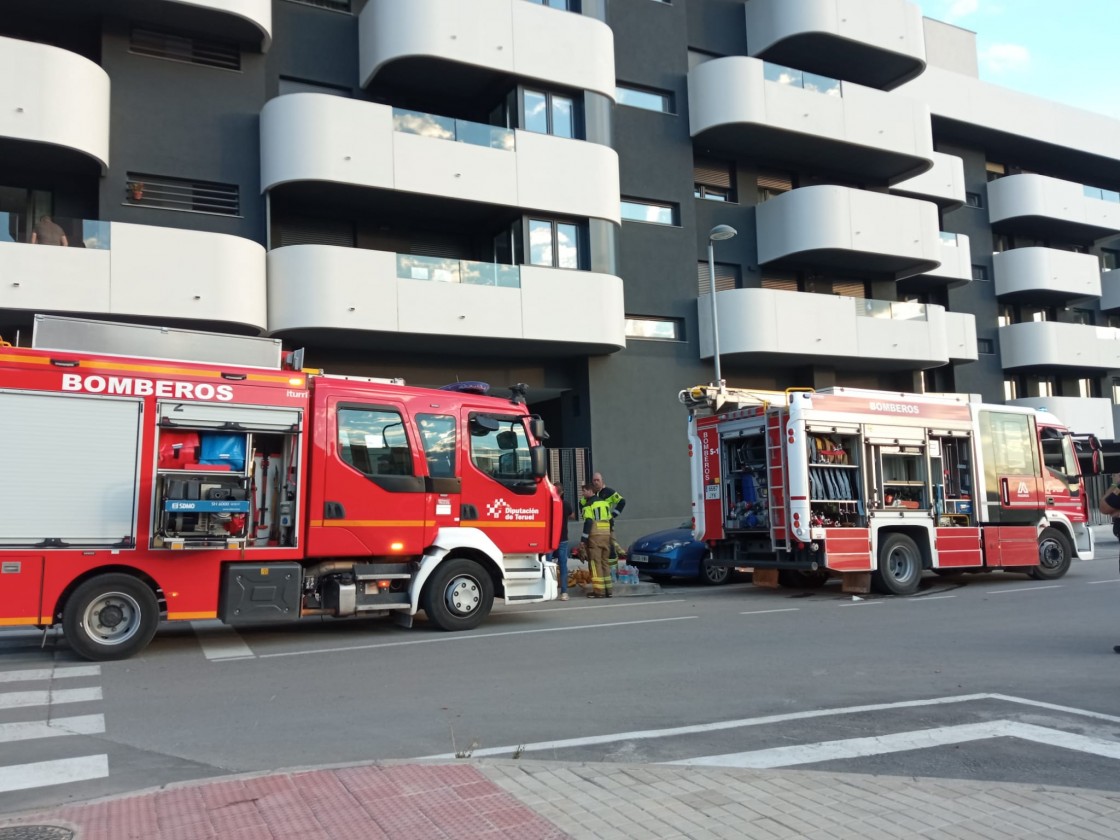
{"x":991,"y":676}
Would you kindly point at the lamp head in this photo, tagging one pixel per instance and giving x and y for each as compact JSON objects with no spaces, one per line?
{"x":721,"y":232}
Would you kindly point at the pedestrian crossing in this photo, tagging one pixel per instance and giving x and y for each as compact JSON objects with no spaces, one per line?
{"x":44,"y":711}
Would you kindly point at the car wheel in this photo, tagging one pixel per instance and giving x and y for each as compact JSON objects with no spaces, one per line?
{"x":713,"y":575}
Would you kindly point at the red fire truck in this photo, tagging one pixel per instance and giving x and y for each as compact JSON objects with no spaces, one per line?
{"x":156,"y":473}
{"x":878,"y":487}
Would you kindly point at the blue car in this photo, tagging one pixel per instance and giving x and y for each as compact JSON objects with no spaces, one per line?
{"x":674,"y":553}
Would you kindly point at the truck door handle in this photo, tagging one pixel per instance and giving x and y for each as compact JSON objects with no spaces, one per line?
{"x":468,"y":512}
{"x":1049,"y":500}
{"x":1005,"y":491}
{"x":333,"y":510}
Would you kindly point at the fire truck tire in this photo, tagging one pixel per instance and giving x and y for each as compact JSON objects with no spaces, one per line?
{"x":900,"y":566}
{"x":713,"y":575}
{"x":459,"y":595}
{"x":110,"y":617}
{"x":1054,"y":555}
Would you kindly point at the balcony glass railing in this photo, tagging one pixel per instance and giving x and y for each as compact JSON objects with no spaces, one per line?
{"x":1103,"y":195}
{"x":894,"y":310}
{"x":54,"y":230}
{"x":440,"y":270}
{"x":948,"y":239}
{"x":446,"y":128}
{"x":798,"y":78}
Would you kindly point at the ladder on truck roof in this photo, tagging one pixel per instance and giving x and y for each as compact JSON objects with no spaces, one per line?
{"x":776,"y":490}
{"x":80,"y":335}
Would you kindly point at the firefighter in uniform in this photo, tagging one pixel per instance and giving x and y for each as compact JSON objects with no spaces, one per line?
{"x":597,"y":539}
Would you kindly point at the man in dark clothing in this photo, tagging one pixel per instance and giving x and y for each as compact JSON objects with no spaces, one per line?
{"x":560,"y":555}
{"x":1110,"y":506}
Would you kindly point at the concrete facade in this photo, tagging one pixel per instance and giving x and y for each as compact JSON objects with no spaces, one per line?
{"x":523,"y":193}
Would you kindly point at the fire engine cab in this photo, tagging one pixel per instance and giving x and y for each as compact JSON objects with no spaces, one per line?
{"x":152,"y":472}
{"x":878,"y":486}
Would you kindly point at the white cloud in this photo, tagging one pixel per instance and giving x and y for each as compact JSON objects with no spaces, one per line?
{"x":962,"y":8}
{"x":1000,"y":59}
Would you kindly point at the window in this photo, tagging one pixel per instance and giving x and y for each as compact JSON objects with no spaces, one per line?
{"x":333,"y":5}
{"x":554,"y":243}
{"x":1113,"y":321}
{"x":549,"y":113}
{"x":973,"y":199}
{"x":1006,"y":441}
{"x":500,"y":448}
{"x":772,"y":183}
{"x":1005,"y":315}
{"x":727,"y":277}
{"x":1088,"y":388}
{"x":309,"y":230}
{"x":797,"y":78}
{"x":1010,"y":389}
{"x":1037,"y":313}
{"x":1000,"y":242}
{"x":373,"y":441}
{"x":713,"y":180}
{"x":995,"y":170}
{"x":1081,"y":316}
{"x":979,"y":272}
{"x":147,"y":190}
{"x":1110,"y":259}
{"x":647,"y":100}
{"x":985,"y":347}
{"x":1036,"y":386}
{"x":662,"y":329}
{"x":192,"y":49}
{"x":437,"y":435}
{"x":636,"y":210}
{"x":1116,"y":391}
{"x":782,"y":281}
{"x":564,"y":5}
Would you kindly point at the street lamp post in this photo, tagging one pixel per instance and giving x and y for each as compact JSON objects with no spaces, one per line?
{"x":717,"y":233}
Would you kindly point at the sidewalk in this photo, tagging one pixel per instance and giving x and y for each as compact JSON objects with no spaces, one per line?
{"x":531,"y":800}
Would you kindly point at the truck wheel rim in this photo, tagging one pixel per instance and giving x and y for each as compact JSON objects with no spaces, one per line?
{"x":463,"y":595}
{"x":900,"y":564}
{"x":1050,"y":554}
{"x":112,"y":618}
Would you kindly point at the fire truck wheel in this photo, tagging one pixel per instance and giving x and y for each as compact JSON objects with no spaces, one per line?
{"x":713,"y":575}
{"x":1054,"y":555}
{"x":110,"y":617}
{"x":459,"y":595}
{"x":900,"y":566}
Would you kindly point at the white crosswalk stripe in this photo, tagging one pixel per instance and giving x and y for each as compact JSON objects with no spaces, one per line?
{"x":36,"y":689}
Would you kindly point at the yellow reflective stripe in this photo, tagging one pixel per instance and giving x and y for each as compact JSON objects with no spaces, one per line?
{"x":366,"y":523}
{"x":12,"y":622}
{"x":165,"y":369}
{"x":190,"y":616}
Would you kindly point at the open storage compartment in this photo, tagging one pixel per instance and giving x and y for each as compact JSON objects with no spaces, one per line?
{"x":226,"y":476}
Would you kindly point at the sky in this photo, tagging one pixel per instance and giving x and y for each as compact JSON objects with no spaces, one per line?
{"x":1065,"y":51}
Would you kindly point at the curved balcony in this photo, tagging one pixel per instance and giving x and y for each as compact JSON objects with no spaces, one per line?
{"x":482,"y":40}
{"x":1049,"y":344}
{"x":780,"y":114}
{"x":878,"y":43}
{"x":1045,"y":274}
{"x":1048,"y":208}
{"x":317,"y":137}
{"x":326,"y":291}
{"x":1083,"y":415}
{"x":772,"y":327}
{"x":252,"y":19}
{"x":204,"y":280}
{"x":943,"y":185}
{"x":839,"y":228}
{"x":955,"y":269}
{"x":53,"y":103}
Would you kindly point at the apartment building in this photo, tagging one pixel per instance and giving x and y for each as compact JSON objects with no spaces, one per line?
{"x":524,"y":191}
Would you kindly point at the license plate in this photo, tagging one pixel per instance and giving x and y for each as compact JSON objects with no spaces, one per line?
{"x":638,"y":559}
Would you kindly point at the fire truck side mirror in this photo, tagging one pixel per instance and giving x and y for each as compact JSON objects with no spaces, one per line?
{"x":538,"y":457}
{"x":536,"y":428}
